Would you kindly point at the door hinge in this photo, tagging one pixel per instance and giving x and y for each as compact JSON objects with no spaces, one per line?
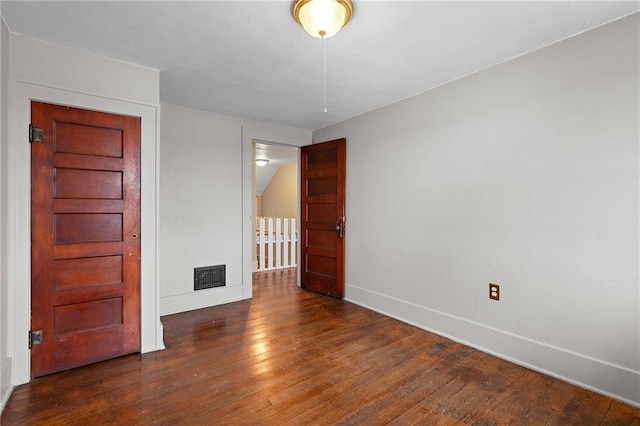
{"x":35,"y":134}
{"x":35,"y":338}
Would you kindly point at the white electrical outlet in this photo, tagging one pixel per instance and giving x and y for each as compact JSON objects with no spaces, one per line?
{"x":494,"y":291}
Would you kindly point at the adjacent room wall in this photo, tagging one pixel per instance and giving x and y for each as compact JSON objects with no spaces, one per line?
{"x":258,"y":205}
{"x":71,"y":77}
{"x":5,"y":332}
{"x":280,"y":197}
{"x":525,"y":174}
{"x":201,"y":203}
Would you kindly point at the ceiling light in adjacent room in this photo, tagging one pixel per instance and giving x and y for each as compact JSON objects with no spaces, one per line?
{"x":261,"y":162}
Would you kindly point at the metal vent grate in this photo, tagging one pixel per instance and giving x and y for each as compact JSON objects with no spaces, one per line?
{"x":209,"y":277}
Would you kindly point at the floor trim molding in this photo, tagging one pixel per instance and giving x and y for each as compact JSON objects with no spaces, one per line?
{"x":199,"y":299}
{"x":6,"y":387}
{"x":599,"y":376}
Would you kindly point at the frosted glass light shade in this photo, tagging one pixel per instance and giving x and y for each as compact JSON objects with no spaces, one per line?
{"x":261,"y":162}
{"x":322,"y":18}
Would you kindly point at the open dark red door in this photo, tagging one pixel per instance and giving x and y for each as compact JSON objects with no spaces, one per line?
{"x":85,"y":237}
{"x":322,"y":192}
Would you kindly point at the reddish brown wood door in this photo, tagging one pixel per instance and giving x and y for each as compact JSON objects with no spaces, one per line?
{"x":85,"y":237}
{"x":322,"y":195}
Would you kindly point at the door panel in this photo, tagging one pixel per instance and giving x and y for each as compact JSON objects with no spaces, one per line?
{"x":322,"y":239}
{"x":88,"y":184}
{"x":87,"y":272}
{"x":77,"y":138}
{"x":321,"y":265}
{"x":85,"y":222}
{"x":321,"y":212}
{"x":322,"y":226}
{"x":87,"y":315}
{"x":87,"y":228}
{"x":322,"y":186}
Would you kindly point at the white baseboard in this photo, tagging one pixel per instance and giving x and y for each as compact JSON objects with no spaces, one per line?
{"x":599,"y":376}
{"x":6,"y":386}
{"x":199,"y":299}
{"x":160,"y":341}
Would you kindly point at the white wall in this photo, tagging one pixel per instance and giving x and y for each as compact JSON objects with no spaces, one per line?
{"x":524,"y":174}
{"x":70,"y":77}
{"x":201,"y":203}
{"x":5,"y":361}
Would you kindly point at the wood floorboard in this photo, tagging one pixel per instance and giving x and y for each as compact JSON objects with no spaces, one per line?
{"x":289,"y":357}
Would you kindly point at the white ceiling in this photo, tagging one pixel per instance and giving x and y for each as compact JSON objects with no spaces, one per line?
{"x":250,"y":58}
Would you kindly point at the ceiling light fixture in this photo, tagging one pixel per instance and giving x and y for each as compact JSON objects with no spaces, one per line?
{"x":261,"y":162}
{"x":322,"y":18}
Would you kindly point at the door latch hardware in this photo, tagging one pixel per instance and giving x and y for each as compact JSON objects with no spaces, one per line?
{"x":35,"y":338}
{"x":35,"y":134}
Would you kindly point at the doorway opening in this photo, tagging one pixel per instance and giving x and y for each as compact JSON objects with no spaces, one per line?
{"x":249,"y":137}
{"x":275,"y":206}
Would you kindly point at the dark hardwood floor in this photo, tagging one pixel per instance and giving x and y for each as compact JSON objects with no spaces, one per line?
{"x":292,"y":357}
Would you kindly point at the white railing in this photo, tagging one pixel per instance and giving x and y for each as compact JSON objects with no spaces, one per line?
{"x":276,"y":241}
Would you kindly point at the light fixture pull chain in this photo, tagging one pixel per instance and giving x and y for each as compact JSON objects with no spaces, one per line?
{"x":324,"y":46}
